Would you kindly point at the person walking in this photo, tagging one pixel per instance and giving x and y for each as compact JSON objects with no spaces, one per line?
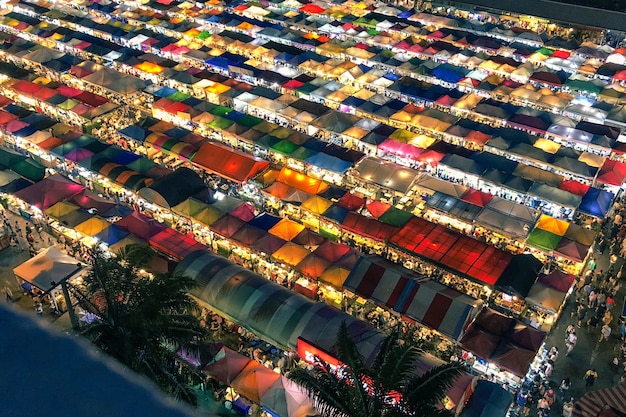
{"x":568,"y":408}
{"x":570,"y":342}
{"x":565,"y":384}
{"x":605,"y":332}
{"x":8,"y":294}
{"x":590,"y":378}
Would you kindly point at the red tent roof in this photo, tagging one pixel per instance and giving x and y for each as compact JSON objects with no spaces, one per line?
{"x":490,"y":266}
{"x":244,"y":212}
{"x":437,"y":243}
{"x":312,"y":9}
{"x":332,"y":251}
{"x":558,"y":280}
{"x":368,"y":227}
{"x":351,"y":202}
{"x":475,"y":197}
{"x":612,"y":172}
{"x":141,"y":226}
{"x":175,"y":244}
{"x":412,"y":233}
{"x":377,"y":208}
{"x":227,"y":162}
{"x":574,"y":187}
{"x":464,"y":253}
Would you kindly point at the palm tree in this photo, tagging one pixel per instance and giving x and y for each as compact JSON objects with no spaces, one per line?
{"x":142,"y":321}
{"x":387,"y":388}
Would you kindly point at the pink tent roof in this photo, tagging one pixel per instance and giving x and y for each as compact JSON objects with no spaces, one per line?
{"x":49,"y":191}
{"x":141,"y":226}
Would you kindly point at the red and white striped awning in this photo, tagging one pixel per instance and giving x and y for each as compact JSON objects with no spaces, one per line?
{"x":592,"y":403}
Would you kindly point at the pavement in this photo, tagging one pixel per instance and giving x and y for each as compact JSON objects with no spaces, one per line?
{"x":588,"y":353}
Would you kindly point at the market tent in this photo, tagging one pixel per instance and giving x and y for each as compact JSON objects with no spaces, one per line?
{"x":273,"y":312}
{"x":286,"y":229}
{"x":312,"y":266}
{"x":440,"y":307}
{"x":552,"y":225}
{"x":511,"y":209}
{"x":335,"y":276}
{"x":189,"y":207}
{"x":49,"y":268}
{"x":226,"y":365}
{"x":173,"y":189}
{"x":558,"y":280}
{"x":381,"y":281}
{"x":502,"y":340}
{"x":412,"y":233}
{"x":332,"y":251}
{"x":309,"y":239}
{"x":175,"y":244}
{"x":544,"y":240}
{"x":580,"y":234}
{"x":520,"y":274}
{"x":301,"y":181}
{"x":612,"y":173}
{"x":488,"y":400}
{"x":92,"y":226}
{"x":316,"y":204}
{"x":111,"y":235}
{"x":572,"y":250}
{"x":267,"y":244}
{"x":227,"y":226}
{"x":545,"y":297}
{"x":49,"y":191}
{"x":208,"y":215}
{"x":371,"y":228}
{"x":596,"y":202}
{"x":222,"y":160}
{"x":60,"y":209}
{"x":388,"y":175}
{"x":254,"y":381}
{"x":244,"y":212}
{"x":247,"y":235}
{"x":476,"y":197}
{"x":140,"y":225}
{"x":288,"y":399}
{"x":125,"y":241}
{"x":290,"y":253}
{"x":593,"y":403}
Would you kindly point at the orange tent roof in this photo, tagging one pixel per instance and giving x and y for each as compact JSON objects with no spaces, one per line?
{"x":286,"y":229}
{"x":290,"y":253}
{"x":227,"y":162}
{"x":301,"y":181}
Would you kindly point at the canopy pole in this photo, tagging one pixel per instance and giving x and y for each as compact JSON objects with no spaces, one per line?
{"x":70,"y":306}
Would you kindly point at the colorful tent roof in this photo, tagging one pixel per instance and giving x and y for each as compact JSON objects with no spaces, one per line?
{"x":286,"y":229}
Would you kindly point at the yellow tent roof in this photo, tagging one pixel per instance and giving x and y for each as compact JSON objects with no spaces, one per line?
{"x":552,"y":225}
{"x":335,"y":276}
{"x":286,"y":229}
{"x":60,"y":209}
{"x":92,"y":226}
{"x":189,"y":207}
{"x":207,"y":215}
{"x":290,"y":253}
{"x":547,"y":145}
{"x":149,"y":67}
{"x":316,"y":204}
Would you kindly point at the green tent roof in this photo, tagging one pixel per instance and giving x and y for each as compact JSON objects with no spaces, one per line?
{"x":543,"y":240}
{"x":284,"y":147}
{"x":395,"y":217}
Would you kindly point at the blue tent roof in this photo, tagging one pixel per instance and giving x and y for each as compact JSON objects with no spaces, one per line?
{"x":328,"y":162}
{"x":596,"y":202}
{"x":264,"y":221}
{"x":488,"y":400}
{"x":111,"y":235}
{"x":336,"y":213}
{"x":134,"y":132}
{"x":165,"y":92}
{"x":449,"y":73}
